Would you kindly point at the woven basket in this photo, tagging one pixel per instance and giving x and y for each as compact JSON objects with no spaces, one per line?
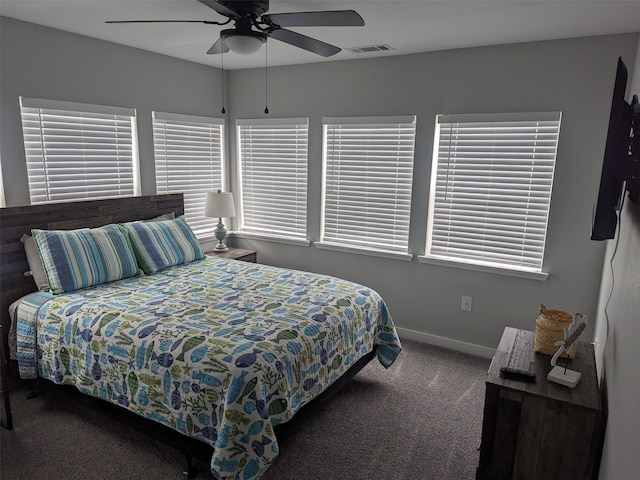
{"x":550,"y":326}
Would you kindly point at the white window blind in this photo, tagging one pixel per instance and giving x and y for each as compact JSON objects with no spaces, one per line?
{"x":78,"y":151}
{"x":189,"y":156}
{"x":491,"y":188}
{"x":273,"y":156}
{"x":368,"y":170}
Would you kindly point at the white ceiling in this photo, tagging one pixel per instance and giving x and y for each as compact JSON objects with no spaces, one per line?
{"x":408,"y":26}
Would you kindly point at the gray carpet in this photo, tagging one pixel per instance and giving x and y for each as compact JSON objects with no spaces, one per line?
{"x":420,"y":419}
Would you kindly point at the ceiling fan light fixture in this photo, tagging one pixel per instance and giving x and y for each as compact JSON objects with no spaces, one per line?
{"x":245,"y":43}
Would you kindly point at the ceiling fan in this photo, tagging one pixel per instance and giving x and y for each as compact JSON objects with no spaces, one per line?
{"x":253,"y":26}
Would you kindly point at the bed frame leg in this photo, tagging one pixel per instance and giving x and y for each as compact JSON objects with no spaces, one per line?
{"x":32,"y":391}
{"x":190,"y":471}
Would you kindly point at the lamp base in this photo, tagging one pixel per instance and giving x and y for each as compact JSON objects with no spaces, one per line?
{"x":221,"y":248}
{"x":220,"y":233}
{"x":565,"y":377}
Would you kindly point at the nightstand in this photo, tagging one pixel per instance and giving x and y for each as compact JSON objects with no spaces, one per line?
{"x":237,"y":254}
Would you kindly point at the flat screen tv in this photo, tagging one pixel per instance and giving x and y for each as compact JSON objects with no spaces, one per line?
{"x":618,"y":165}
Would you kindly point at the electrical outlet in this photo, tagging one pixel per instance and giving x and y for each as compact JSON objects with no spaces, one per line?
{"x":466,"y":304}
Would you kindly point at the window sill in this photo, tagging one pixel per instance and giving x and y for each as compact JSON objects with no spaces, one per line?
{"x":210,"y":237}
{"x":540,"y":276}
{"x":270,"y":238}
{"x":364,"y":251}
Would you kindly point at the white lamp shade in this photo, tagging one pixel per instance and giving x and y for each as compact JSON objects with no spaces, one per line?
{"x":243,"y":44}
{"x":219,"y":204}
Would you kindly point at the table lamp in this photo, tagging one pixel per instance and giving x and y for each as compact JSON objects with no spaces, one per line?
{"x":220,"y":204}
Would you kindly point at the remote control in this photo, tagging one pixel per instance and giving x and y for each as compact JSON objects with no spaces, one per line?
{"x":518,"y":374}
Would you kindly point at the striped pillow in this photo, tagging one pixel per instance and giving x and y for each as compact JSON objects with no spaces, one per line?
{"x":162,"y":244}
{"x":82,"y":258}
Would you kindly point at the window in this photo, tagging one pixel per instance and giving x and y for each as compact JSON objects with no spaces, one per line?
{"x":491,"y":189}
{"x":273,"y":157}
{"x":78,"y":151}
{"x":189,"y":160}
{"x":2,"y":200}
{"x":368,"y":170}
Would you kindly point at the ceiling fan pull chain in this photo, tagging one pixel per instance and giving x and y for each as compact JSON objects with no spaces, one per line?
{"x":222,"y":58}
{"x":266,"y":65}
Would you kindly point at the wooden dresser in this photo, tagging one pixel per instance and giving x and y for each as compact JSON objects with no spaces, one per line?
{"x":541,"y":430}
{"x":236,"y":254}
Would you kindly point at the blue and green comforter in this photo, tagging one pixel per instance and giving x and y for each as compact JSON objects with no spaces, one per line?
{"x":217,"y":349}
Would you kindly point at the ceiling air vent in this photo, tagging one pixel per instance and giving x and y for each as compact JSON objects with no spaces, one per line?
{"x":370,"y":49}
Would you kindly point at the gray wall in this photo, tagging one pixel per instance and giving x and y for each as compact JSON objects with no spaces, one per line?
{"x":41,"y":62}
{"x":618,"y":334}
{"x":573,"y":76}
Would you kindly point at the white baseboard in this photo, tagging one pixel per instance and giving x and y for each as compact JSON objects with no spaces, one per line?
{"x":446,"y":342}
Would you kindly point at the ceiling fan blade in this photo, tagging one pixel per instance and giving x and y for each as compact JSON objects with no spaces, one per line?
{"x":161,"y":21}
{"x":218,"y":47}
{"x":337,"y":18}
{"x":221,"y":9}
{"x":302,"y":41}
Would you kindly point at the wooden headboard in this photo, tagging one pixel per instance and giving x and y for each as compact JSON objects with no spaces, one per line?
{"x":16,"y":221}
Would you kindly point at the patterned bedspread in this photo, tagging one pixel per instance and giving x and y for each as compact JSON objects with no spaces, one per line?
{"x":217,"y":349}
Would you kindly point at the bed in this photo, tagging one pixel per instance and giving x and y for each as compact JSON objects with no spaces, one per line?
{"x":218,"y":350}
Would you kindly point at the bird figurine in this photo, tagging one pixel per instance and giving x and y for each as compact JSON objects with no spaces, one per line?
{"x":562,"y":375}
